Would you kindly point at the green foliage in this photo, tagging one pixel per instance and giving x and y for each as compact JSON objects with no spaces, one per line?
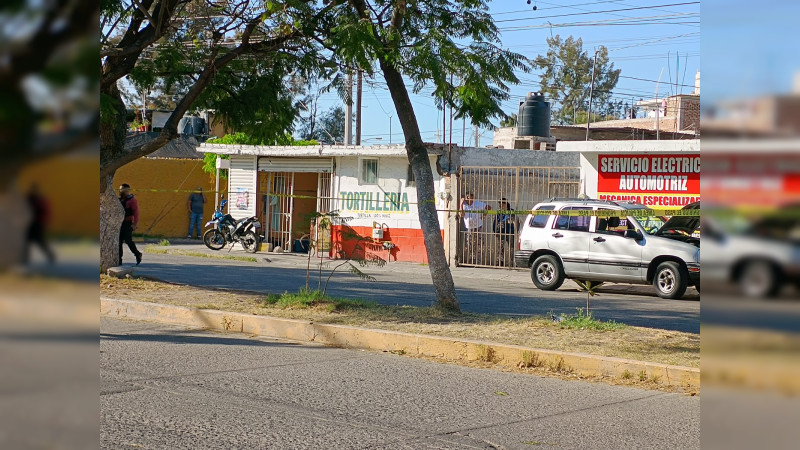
{"x":567,"y":76}
{"x":509,"y":121}
{"x":327,"y":128}
{"x":583,"y":321}
{"x":436,"y":40}
{"x":210,"y":159}
{"x":164,"y":243}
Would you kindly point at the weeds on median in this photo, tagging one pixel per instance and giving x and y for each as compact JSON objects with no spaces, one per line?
{"x":309,"y":298}
{"x":581,"y":321}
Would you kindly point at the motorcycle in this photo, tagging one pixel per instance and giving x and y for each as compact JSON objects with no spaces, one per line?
{"x":225,"y":229}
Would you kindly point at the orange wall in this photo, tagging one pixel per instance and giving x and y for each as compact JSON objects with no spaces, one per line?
{"x":409,"y":243}
{"x":165,"y":213}
{"x":65,"y":182}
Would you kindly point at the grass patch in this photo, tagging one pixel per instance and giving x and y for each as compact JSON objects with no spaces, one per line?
{"x":163,"y":243}
{"x":581,"y":321}
{"x":638,"y":343}
{"x":312,"y":298}
{"x":155,"y":249}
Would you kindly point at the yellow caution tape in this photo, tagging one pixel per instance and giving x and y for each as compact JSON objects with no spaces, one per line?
{"x":569,"y":213}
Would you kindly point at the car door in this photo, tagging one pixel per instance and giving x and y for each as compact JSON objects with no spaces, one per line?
{"x":569,"y":237}
{"x":612,"y":255}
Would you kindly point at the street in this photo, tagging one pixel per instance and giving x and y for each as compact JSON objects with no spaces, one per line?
{"x":480,"y":290}
{"x":169,"y":387}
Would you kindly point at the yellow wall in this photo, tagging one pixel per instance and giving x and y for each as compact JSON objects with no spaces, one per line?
{"x":70,"y":184}
{"x":163,"y":212}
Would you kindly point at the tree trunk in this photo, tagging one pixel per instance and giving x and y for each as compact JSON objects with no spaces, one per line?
{"x":17,"y":217}
{"x":111,"y":215}
{"x":426,"y":202}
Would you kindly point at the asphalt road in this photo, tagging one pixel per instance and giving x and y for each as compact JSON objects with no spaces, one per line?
{"x":495,"y":291}
{"x":169,"y":387}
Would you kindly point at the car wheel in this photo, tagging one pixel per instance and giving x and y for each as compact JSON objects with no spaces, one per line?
{"x":547,"y":273}
{"x":759,"y":279}
{"x":670,"y":280}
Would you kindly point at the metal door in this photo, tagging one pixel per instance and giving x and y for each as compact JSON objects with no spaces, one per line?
{"x":612,"y":256}
{"x":569,"y":238}
{"x":278,"y":209}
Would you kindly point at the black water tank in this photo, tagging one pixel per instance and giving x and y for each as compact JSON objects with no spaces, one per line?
{"x":534,"y":116}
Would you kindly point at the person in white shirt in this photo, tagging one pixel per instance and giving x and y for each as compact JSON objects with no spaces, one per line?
{"x":473,"y":223}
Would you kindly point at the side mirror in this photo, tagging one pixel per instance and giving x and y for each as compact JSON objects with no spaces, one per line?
{"x":634,"y":234}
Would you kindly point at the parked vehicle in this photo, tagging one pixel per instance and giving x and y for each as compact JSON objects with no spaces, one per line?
{"x":616,"y":248}
{"x":227,"y":230}
{"x":759,"y":256}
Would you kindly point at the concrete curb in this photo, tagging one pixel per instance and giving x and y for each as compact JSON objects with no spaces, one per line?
{"x":393,"y":341}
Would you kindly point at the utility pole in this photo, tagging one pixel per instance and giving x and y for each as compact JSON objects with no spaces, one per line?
{"x":358,"y":107}
{"x":591,"y":93}
{"x":390,"y":129}
{"x":658,"y":107}
{"x":348,"y":110}
{"x":477,"y":137}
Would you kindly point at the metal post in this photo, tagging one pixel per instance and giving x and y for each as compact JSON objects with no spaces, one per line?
{"x":591,"y":93}
{"x":658,"y":107}
{"x":358,"y":108}
{"x":390,"y":130}
{"x":348,"y":110}
{"x":216,"y":188}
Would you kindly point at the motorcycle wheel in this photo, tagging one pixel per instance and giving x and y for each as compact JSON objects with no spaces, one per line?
{"x":250,"y":242}
{"x":214,"y":239}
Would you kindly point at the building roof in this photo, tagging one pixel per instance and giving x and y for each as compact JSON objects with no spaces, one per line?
{"x":641,"y":146}
{"x":314,"y":150}
{"x":182,"y":147}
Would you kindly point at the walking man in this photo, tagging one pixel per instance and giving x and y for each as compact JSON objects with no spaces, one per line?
{"x":196,"y":204}
{"x":40,"y":215}
{"x":129,"y":223}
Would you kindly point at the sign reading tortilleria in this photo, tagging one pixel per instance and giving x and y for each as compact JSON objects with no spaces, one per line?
{"x":666,"y":181}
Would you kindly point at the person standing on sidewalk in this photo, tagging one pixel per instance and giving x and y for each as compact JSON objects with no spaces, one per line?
{"x":505,"y":227}
{"x":129,"y":223}
{"x":473,"y":223}
{"x":40,"y":216}
{"x":197,"y":202}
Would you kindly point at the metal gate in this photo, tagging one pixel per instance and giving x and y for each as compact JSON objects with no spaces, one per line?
{"x":278,"y":209}
{"x":492,"y":237}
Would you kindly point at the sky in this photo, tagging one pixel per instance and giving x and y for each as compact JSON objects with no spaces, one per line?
{"x":750,"y":48}
{"x":644,"y":37}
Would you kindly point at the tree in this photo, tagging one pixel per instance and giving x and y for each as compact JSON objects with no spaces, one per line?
{"x":428,"y":42}
{"x":233,"y":55}
{"x":509,"y":121}
{"x":328,"y":127}
{"x":48,"y":97}
{"x":566,"y":79}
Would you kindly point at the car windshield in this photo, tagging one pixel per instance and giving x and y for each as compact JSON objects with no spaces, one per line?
{"x":650,"y":223}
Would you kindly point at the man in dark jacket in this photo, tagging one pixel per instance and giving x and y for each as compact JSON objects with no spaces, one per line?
{"x":129,"y":223}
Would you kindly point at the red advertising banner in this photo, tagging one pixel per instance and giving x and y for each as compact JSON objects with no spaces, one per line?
{"x":666,"y":181}
{"x":766,"y":179}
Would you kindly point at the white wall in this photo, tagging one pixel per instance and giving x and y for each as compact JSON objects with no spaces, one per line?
{"x":365,"y":204}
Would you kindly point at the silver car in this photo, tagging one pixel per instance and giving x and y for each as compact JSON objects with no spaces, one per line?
{"x":616,"y":248}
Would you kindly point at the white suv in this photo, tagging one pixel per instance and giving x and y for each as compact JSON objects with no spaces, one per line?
{"x":618,"y":248}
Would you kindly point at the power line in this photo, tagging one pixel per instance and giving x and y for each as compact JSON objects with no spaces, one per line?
{"x":645,"y":20}
{"x":596,"y":12}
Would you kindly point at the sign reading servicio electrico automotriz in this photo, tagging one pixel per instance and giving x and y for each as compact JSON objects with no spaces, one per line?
{"x":664,"y":181}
